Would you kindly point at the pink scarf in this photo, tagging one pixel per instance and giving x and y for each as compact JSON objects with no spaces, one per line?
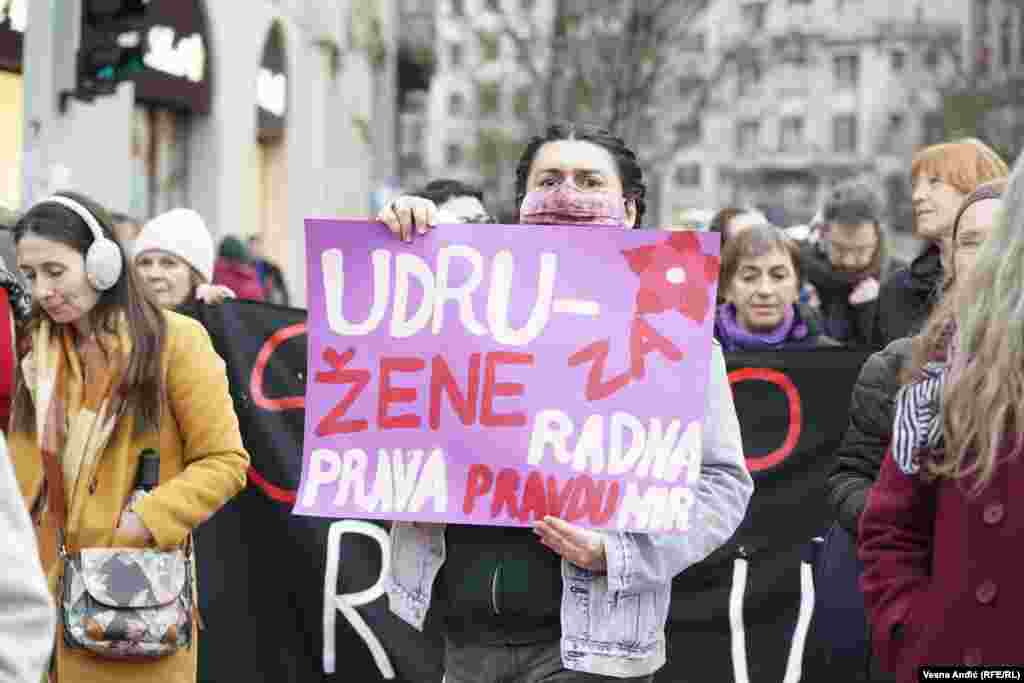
{"x":565,"y":203}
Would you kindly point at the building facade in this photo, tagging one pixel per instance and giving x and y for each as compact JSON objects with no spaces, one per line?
{"x":808,"y":92}
{"x":469,"y":120}
{"x":991,"y":97}
{"x":256,"y":118}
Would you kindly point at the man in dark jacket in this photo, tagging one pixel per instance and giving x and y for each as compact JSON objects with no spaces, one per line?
{"x":847,"y":264}
{"x":908,"y":296}
{"x":840,"y":631}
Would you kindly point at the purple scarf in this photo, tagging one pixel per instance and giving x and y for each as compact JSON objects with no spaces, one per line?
{"x":791,"y":332}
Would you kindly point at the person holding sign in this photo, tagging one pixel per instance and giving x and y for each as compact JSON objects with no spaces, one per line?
{"x":560,"y":602}
{"x":761,"y":276}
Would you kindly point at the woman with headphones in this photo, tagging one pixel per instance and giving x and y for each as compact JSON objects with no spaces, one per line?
{"x":104,"y":374}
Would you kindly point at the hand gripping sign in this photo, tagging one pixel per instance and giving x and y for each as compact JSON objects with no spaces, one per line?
{"x":498,"y":375}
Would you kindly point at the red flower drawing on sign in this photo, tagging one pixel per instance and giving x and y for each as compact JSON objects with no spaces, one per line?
{"x":674,"y":276}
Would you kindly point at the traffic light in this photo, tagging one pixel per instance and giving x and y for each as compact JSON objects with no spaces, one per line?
{"x":112,"y":46}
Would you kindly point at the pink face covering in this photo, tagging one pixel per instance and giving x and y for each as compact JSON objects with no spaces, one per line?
{"x":565,"y":204}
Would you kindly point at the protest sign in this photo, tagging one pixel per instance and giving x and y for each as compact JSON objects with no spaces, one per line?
{"x":498,"y":374}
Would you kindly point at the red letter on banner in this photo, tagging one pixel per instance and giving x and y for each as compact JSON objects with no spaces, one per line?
{"x":332,"y":424}
{"x":389,"y":394}
{"x":441,"y":379}
{"x":492,"y":388}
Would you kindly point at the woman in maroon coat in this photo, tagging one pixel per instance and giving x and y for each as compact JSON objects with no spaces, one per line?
{"x":941,"y":531}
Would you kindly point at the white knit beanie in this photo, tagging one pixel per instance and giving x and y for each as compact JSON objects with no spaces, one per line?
{"x":181,"y":232}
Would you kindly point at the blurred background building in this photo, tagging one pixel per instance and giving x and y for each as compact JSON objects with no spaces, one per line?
{"x":257,"y":114}
{"x":759,"y":102}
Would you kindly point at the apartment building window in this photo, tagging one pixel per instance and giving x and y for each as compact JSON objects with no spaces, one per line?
{"x":453,"y":155}
{"x":844,"y":133}
{"x":456,"y":104}
{"x":458,"y":8}
{"x":798,"y":3}
{"x":847,"y":71}
{"x":898,"y":60}
{"x":689,"y":133}
{"x":494,"y":5}
{"x":527,"y":5}
{"x":688,"y":175}
{"x":753,"y":15}
{"x":1006,"y":42}
{"x":749,"y":77}
{"x":794,"y":50}
{"x":895,"y":132}
{"x":521,"y":103}
{"x":1020,"y":32}
{"x":896,"y":123}
{"x":488,"y":98}
{"x":488,"y":47}
{"x":748,"y":136}
{"x":933,"y":128}
{"x":931,"y":59}
{"x":791,"y":133}
{"x":456,"y":55}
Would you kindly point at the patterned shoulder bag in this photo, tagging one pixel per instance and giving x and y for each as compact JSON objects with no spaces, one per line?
{"x":125,"y":603}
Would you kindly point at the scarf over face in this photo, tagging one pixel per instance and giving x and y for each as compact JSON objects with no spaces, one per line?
{"x":565,"y":202}
{"x":75,"y":389}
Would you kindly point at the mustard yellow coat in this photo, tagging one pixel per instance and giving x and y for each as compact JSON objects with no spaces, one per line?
{"x":202,"y":465}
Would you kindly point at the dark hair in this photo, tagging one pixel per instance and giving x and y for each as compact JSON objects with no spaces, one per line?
{"x":233,"y":249}
{"x":441,"y":190}
{"x":142,"y":384}
{"x":630,"y":173}
{"x":722,"y":218}
{"x":753,"y":242}
{"x":853,"y":201}
{"x":118,"y":217}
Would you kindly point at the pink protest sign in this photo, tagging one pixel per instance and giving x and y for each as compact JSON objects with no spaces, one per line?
{"x":492,"y":374}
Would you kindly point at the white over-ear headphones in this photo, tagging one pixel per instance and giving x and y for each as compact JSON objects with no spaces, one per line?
{"x":103,"y":261}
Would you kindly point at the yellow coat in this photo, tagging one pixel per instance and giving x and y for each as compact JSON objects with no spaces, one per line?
{"x":202,"y":465}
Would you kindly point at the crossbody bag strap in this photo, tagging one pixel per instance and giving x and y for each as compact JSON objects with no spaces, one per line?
{"x":56,"y":500}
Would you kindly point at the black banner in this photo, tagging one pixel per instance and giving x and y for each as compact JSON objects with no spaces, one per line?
{"x":272,"y":585}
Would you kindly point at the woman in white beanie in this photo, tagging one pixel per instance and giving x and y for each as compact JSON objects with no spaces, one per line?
{"x":174,"y":257}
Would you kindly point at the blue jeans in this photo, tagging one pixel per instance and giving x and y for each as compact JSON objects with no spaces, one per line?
{"x":534,"y":663}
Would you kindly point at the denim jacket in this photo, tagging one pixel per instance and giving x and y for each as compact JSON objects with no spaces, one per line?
{"x":613,"y":624}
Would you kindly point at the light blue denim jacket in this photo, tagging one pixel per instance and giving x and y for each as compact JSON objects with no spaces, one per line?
{"x":613,"y":624}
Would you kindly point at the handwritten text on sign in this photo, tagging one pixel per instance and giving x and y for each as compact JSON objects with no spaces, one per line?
{"x":494,"y":374}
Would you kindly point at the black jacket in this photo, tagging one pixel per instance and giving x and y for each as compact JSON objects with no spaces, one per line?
{"x":907,"y":297}
{"x":869,"y":434}
{"x":850,"y":325}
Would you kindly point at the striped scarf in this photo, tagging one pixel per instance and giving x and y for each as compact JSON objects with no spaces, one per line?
{"x":77,"y":404}
{"x":917,"y":425}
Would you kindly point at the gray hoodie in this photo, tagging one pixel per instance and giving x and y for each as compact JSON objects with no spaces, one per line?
{"x":27,"y":614}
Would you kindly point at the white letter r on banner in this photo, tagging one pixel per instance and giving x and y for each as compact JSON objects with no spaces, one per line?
{"x":346,"y":603}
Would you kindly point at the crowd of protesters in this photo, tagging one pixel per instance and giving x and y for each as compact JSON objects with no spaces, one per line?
{"x":104,"y":353}
{"x":880,"y":598}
